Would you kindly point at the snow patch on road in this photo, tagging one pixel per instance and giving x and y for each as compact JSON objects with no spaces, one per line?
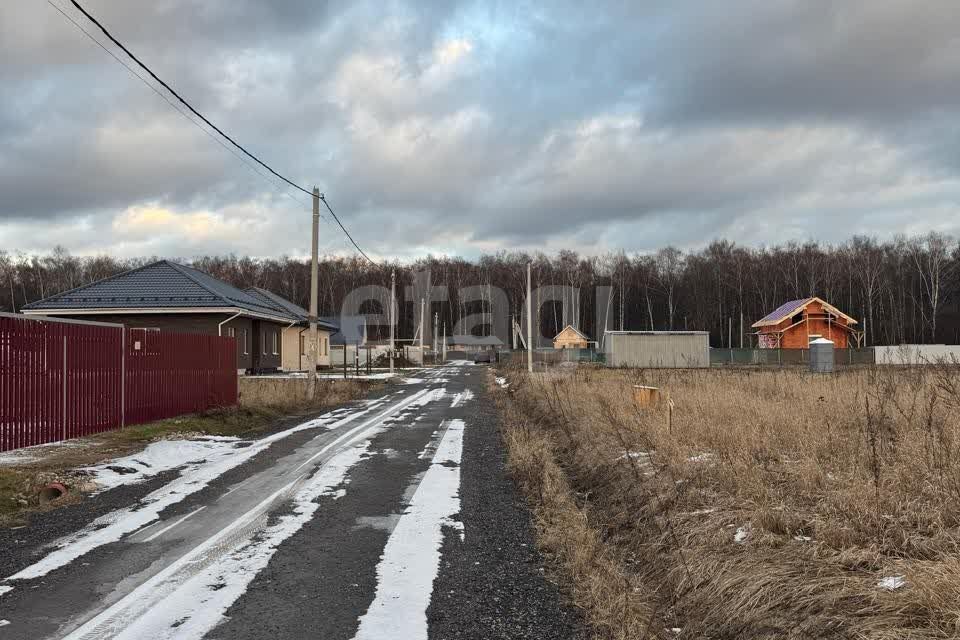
{"x":461,"y":397}
{"x":193,"y":478}
{"x":411,"y":558}
{"x":199,"y":604}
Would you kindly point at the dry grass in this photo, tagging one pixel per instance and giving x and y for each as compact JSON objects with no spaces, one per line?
{"x":20,"y":482}
{"x":833,"y":483}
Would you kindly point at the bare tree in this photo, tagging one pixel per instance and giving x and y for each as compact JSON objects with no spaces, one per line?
{"x":932,"y":258}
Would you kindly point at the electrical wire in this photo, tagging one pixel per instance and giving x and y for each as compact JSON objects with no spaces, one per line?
{"x":323,"y":199}
{"x":181,"y":111}
{"x":195,"y":112}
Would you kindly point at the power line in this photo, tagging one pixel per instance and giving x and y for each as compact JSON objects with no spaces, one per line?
{"x":191,"y":108}
{"x":323,"y":199}
{"x":178,"y":109}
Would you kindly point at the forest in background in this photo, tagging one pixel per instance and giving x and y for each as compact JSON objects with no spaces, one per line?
{"x":903,"y":290}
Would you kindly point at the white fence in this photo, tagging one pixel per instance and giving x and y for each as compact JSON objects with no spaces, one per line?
{"x":906,"y":354}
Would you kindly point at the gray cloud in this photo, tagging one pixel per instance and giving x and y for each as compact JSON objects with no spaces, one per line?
{"x":470,"y":126}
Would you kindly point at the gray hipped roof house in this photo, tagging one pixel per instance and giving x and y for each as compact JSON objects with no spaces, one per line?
{"x":167,"y":296}
{"x":162,"y":285}
{"x":291,"y":308}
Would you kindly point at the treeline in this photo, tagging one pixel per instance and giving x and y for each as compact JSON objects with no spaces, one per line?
{"x":902,"y":290}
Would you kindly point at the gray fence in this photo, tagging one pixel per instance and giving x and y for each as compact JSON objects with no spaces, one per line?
{"x":551,"y":356}
{"x":786,"y":357}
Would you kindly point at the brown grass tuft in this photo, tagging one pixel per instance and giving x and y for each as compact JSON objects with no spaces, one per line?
{"x":772,"y":509}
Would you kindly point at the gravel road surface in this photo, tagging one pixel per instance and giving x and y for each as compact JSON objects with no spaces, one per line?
{"x":389,"y":518}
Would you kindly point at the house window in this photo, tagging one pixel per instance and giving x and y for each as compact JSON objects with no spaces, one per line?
{"x":263,"y":341}
{"x":326,"y":347}
{"x":303,"y":345}
{"x":231,"y":332}
{"x":276,"y":347}
{"x":246,"y":346}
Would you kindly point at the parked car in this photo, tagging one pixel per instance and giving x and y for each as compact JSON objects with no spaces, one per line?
{"x":483,"y":357}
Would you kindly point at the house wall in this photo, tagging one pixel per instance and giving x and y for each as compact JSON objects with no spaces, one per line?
{"x":668,"y":350}
{"x":799,"y":337}
{"x":295,"y":348}
{"x":569,"y":339}
{"x":242,"y":329}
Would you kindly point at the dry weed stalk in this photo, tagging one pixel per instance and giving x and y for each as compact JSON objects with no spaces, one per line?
{"x":774,"y":509}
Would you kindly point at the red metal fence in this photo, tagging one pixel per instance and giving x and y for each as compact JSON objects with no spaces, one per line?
{"x":61,"y":380}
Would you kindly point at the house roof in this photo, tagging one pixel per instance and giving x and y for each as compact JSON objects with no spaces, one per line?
{"x":158,"y":285}
{"x":575,"y":330}
{"x":282,"y":304}
{"x":352,"y":329}
{"x":475,"y":341}
{"x":791,"y":308}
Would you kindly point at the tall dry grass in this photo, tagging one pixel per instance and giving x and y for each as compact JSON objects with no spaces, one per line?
{"x":775,"y":506}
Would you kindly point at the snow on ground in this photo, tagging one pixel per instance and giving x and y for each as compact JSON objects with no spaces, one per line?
{"x":37,"y":452}
{"x":116,"y":524}
{"x":742,"y":534}
{"x":163,"y":456}
{"x":351,"y":375}
{"x":501,"y":382}
{"x":892,"y":583}
{"x":167,"y":606}
{"x":411,"y":558}
{"x":334,"y":373}
{"x":461,"y":397}
{"x":5,"y":589}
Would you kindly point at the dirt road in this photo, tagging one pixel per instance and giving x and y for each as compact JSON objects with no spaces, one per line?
{"x":391,"y":518}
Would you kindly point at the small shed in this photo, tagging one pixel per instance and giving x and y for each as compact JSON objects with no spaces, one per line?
{"x":657,"y":349}
{"x":794,"y":323}
{"x":571,"y":338}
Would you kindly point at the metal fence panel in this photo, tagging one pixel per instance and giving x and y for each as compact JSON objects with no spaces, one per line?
{"x":61,"y":380}
{"x":786,"y":357}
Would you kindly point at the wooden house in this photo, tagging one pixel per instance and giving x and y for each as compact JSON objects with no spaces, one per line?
{"x":570,"y":338}
{"x":794,"y":323}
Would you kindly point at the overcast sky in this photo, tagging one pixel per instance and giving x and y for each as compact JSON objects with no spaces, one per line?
{"x":464,"y":127}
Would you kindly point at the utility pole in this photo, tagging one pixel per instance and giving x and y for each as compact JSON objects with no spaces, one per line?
{"x":423,"y":305}
{"x":529,"y":322}
{"x":314,"y":285}
{"x":444,"y":345}
{"x":393,"y":321}
{"x":436,"y":322}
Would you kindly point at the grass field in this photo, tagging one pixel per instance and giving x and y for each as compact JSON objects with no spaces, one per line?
{"x":778,"y":504}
